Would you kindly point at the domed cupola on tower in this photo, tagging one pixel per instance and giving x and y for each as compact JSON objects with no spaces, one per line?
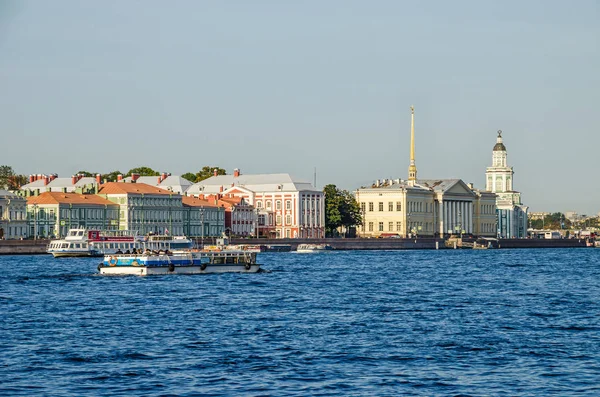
{"x":499,"y":155}
{"x":512,"y":214}
{"x":499,"y":146}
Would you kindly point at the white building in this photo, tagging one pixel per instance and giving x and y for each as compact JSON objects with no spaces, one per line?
{"x":286,"y":207}
{"x":52,"y":183}
{"x":172,"y":183}
{"x":512,"y":214}
{"x":13,"y":216}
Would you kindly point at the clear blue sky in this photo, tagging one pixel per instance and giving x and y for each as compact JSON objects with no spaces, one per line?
{"x":287,"y":86}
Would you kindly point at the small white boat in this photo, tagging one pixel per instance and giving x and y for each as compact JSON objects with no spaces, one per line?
{"x":307,"y":248}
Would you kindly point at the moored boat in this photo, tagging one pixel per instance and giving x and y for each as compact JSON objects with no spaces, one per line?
{"x":84,"y":242}
{"x":307,"y":248}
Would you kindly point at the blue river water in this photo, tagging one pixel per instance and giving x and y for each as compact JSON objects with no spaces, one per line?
{"x":345,"y":323}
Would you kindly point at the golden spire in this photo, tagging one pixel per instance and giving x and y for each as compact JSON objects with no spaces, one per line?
{"x":412,"y":169}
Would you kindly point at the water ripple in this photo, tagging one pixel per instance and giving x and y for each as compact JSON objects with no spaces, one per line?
{"x":413,"y":323}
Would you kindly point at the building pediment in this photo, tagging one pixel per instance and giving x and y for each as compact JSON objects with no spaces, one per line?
{"x":448,"y":186}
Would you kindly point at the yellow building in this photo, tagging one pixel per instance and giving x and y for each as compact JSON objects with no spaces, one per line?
{"x":425,"y":207}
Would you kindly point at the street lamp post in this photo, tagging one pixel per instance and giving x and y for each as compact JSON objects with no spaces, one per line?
{"x":256,"y":229}
{"x":201,"y":227}
{"x":35,"y":207}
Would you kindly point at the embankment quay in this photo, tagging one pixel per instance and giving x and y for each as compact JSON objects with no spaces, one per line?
{"x":33,"y":247}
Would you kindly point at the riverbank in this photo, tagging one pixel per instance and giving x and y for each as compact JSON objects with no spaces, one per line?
{"x":36,"y":247}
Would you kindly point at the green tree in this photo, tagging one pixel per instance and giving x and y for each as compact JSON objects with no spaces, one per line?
{"x":16,"y":182}
{"x":207,"y":171}
{"x":143,"y":171}
{"x":341,"y":209}
{"x":190,"y":176}
{"x":86,"y":173}
{"x":7,"y":174}
{"x":111,"y":176}
{"x":553,"y":221}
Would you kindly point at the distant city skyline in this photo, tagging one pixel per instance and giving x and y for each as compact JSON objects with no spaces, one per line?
{"x":284,"y":87}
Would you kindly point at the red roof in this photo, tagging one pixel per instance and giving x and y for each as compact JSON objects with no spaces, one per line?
{"x":131,"y":188}
{"x":68,"y":198}
{"x":196,"y":202}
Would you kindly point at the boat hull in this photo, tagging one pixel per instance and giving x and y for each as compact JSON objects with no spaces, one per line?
{"x":180,"y":269}
{"x":73,"y":254}
{"x":183,"y":262}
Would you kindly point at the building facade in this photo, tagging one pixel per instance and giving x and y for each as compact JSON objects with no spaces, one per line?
{"x":511,"y":213}
{"x":52,"y":214}
{"x":427,"y":208}
{"x":203,"y":218}
{"x":13,"y":216}
{"x":144,"y":208}
{"x":283,"y":207}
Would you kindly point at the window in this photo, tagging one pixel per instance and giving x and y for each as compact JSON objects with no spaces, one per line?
{"x":381,"y":226}
{"x":259,"y":204}
{"x":390,"y":206}
{"x":370,"y":226}
{"x":371,"y":207}
{"x":288,"y":219}
{"x":398,"y":226}
{"x":391,"y":226}
{"x":278,"y":219}
{"x":268,"y":205}
{"x":362,"y":207}
{"x":288,"y":205}
{"x":278,"y":205}
{"x":380,"y":206}
{"x":398,"y":206}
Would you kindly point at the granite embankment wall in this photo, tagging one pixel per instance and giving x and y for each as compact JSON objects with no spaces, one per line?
{"x":31,"y":247}
{"x":400,"y":243}
{"x":23,"y":247}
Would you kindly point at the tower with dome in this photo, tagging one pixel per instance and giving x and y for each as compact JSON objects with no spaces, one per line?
{"x":512,"y":214}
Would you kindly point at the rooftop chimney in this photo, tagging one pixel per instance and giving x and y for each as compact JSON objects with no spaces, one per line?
{"x":45,"y":178}
{"x":53,"y":177}
{"x":134,"y":177}
{"x":163,"y":176}
{"x":120,"y":178}
{"x":98,"y":180}
{"x":31,"y":178}
{"x":236,"y":172}
{"x":221,"y":189}
{"x":215,"y":172}
{"x":73,"y":179}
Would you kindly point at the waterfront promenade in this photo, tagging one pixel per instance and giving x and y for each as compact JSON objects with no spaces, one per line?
{"x":33,"y":247}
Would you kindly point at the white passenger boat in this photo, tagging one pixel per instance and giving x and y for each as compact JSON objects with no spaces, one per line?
{"x":220,"y":258}
{"x":84,"y":242}
{"x":307,"y":248}
{"x":180,"y":262}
